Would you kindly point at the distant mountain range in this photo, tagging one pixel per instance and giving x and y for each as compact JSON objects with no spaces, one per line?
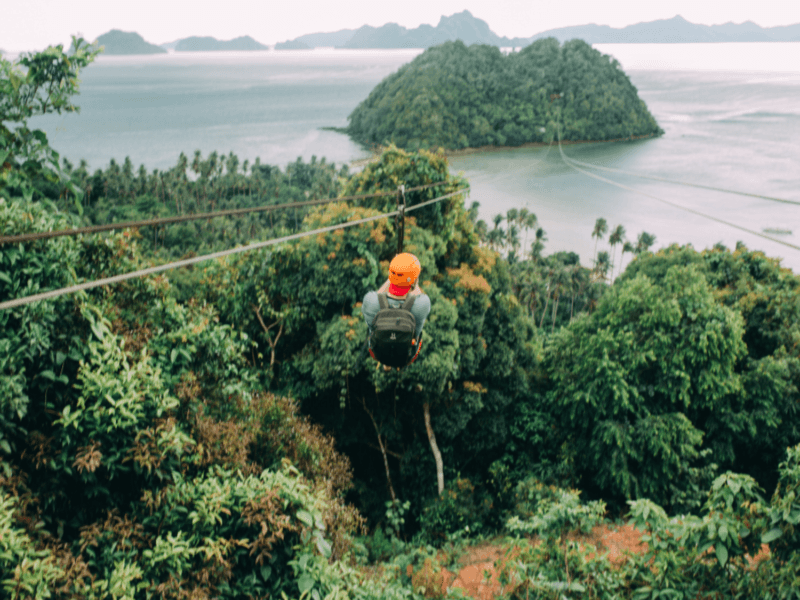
{"x":676,"y":30}
{"x":470,"y":30}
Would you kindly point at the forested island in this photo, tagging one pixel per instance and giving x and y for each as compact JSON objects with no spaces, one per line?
{"x":456,"y":96}
{"x":116,"y":42}
{"x":218,"y":431}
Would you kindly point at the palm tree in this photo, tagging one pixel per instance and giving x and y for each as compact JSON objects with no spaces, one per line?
{"x":602,"y":264}
{"x":482,"y":229}
{"x":617,"y":236}
{"x":512,"y":215}
{"x":561,"y":280}
{"x":600,"y":229}
{"x":643,"y":242}
{"x":473,"y":211}
{"x":538,"y":245}
{"x":497,"y":236}
{"x":527,"y":221}
{"x":548,"y":289}
{"x":626,"y":247}
{"x":512,"y":240}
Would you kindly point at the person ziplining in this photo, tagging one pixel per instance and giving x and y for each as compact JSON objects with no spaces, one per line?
{"x":396,"y":313}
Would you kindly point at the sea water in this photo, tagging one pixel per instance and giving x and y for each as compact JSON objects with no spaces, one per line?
{"x":731,"y":115}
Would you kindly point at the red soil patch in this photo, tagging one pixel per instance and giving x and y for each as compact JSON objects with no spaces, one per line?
{"x":478,"y":576}
{"x":618,"y":541}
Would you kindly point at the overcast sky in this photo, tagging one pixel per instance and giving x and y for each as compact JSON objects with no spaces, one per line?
{"x":33,"y":24}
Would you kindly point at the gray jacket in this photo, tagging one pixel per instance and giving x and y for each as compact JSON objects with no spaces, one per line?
{"x":420,"y":310}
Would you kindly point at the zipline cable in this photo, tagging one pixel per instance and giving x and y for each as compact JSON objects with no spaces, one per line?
{"x":569,"y":162}
{"x":191,"y":261}
{"x":677,"y":182}
{"x":27,"y":237}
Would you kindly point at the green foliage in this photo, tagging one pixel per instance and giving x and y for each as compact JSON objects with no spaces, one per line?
{"x":36,"y":84}
{"x":25,"y":570}
{"x":454,"y":96}
{"x":556,"y":512}
{"x":457,"y":509}
{"x":784,"y":514}
{"x":557,"y":566}
{"x":632,"y":413}
{"x":750,"y":432}
{"x":133,"y":462}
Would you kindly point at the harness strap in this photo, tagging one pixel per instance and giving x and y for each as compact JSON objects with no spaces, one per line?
{"x":409,"y":303}
{"x":383,"y":301}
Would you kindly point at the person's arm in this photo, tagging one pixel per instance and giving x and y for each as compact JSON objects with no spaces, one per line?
{"x":421,"y":310}
{"x":369,"y":308}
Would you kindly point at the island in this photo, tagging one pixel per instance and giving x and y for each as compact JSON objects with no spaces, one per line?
{"x":292,"y":45}
{"x":456,"y":96}
{"x":116,"y":42}
{"x":210,"y":44}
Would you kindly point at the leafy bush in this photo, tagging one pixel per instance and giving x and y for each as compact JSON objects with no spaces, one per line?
{"x":552,"y":513}
{"x":456,"y":510}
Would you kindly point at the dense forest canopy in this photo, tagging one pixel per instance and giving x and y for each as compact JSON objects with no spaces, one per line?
{"x":456,"y":96}
{"x":220,"y":432}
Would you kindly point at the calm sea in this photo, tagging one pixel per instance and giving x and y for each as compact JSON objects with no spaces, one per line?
{"x":731,"y":113}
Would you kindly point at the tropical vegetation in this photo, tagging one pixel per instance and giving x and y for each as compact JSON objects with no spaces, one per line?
{"x":220,"y":431}
{"x":455,"y":96}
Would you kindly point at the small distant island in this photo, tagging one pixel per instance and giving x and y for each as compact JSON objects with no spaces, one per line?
{"x":210,"y":44}
{"x":292,"y":45}
{"x":456,"y":96}
{"x":117,"y":42}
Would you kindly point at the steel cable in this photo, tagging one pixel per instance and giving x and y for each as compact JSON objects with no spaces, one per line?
{"x":197,"y":259}
{"x":42,"y":235}
{"x":569,"y":161}
{"x":687,"y":183}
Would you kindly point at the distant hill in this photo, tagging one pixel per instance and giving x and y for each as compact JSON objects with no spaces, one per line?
{"x":460,"y":26}
{"x":207,"y":44}
{"x":458,"y":96}
{"x":292,"y":45}
{"x":471,"y":30}
{"x":118,"y":42}
{"x":324,"y":40}
{"x":673,"y":31}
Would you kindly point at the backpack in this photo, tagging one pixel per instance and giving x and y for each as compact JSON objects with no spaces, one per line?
{"x":392,"y":333}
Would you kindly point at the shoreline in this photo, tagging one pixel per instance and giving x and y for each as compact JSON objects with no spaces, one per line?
{"x":361,"y":162}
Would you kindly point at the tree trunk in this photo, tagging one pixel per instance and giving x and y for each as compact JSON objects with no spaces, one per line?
{"x":383,"y":450}
{"x":555,"y":313}
{"x":544,"y":311}
{"x":437,"y":456}
{"x":572,"y":306}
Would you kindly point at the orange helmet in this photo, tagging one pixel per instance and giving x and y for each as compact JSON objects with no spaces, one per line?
{"x":404,"y":270}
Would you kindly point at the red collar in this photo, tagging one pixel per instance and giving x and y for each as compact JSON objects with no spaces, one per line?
{"x":396,"y":290}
